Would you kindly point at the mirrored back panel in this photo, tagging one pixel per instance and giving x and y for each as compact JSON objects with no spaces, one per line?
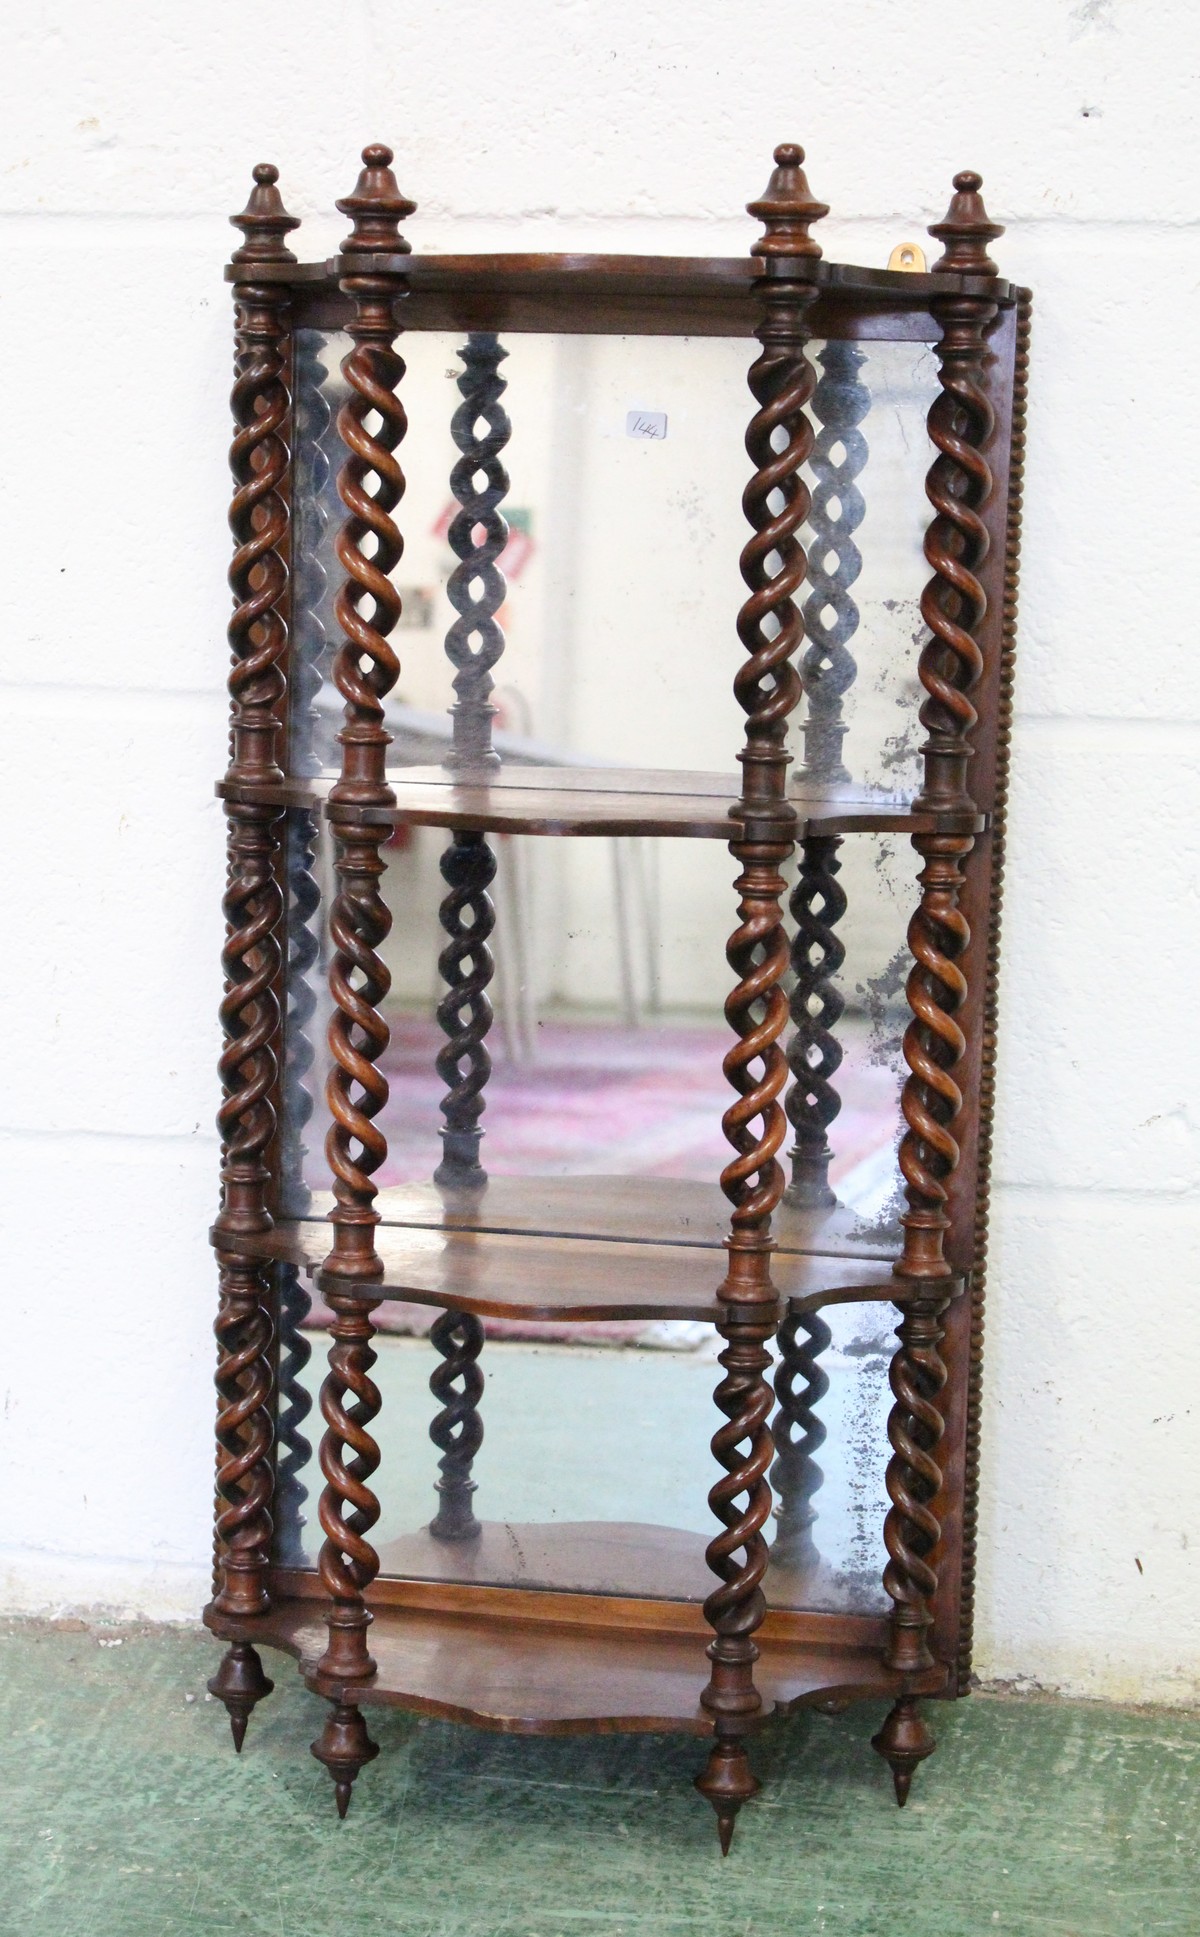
{"x":610,"y":459}
{"x":611,"y":640}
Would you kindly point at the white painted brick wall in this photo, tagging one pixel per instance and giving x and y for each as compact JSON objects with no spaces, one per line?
{"x":126,"y":137}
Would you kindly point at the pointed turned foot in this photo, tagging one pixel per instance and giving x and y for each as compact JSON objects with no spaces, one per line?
{"x":240,"y":1682}
{"x":903,"y":1742}
{"x":344,"y":1747}
{"x":727,"y":1782}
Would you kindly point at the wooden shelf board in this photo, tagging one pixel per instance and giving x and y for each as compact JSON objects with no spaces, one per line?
{"x":631,"y":1561}
{"x":568,"y":1279}
{"x":601,"y":801}
{"x":531,"y":1677}
{"x":631,"y":1210}
{"x":605,"y":294}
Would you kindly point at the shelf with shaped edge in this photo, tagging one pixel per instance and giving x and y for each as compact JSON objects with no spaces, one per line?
{"x":604,"y":801}
{"x":568,"y":1279}
{"x":561,"y":1664}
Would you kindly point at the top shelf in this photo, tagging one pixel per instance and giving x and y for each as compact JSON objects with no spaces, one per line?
{"x":619,"y":295}
{"x":604,"y":800}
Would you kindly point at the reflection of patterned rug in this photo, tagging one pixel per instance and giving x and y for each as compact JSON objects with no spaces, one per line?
{"x":604,"y":1099}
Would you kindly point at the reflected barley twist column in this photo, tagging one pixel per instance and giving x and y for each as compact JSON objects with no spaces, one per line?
{"x":828,"y":669}
{"x":371,"y":424}
{"x":801,"y":1383}
{"x":767,"y":687}
{"x":474,"y":644}
{"x":252,"y":957}
{"x":954,"y":602}
{"x":307,"y":655}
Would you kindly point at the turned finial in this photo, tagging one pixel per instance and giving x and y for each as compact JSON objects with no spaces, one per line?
{"x":264,"y":221}
{"x":787,"y":208}
{"x":966,"y":229}
{"x":376,"y":207}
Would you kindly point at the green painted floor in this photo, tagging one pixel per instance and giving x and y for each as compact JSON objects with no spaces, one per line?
{"x":126,"y":1814}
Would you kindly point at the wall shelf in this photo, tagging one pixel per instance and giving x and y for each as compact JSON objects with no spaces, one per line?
{"x":587,"y":1624}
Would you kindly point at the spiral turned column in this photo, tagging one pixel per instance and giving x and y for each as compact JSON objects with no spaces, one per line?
{"x":474,"y":643}
{"x":465,"y":1012}
{"x":952,"y":605}
{"x":294,"y":1300}
{"x":767,"y":687}
{"x":371,"y":423}
{"x":828,"y":670}
{"x":350,"y":1403}
{"x":252,"y":956}
{"x":958,"y":486}
{"x":911,"y":1530}
{"x":814,"y":1054}
{"x":831,"y":617}
{"x":457,"y":1430}
{"x":309,"y":645}
{"x":478,"y":534}
{"x":800,"y":1385}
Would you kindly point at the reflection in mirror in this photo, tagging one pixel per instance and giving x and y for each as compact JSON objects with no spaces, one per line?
{"x":570,"y":589}
{"x":620,"y":561}
{"x":586,"y":1466}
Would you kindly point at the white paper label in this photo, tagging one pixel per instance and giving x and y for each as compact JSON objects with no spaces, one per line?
{"x":648,"y":424}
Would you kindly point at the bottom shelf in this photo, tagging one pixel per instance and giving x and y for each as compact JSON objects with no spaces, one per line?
{"x":522,"y":1673}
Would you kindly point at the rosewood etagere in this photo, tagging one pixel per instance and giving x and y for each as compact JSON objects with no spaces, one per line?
{"x":553,"y":1660}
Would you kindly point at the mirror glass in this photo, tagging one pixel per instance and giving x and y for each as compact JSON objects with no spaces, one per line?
{"x":609,"y":972}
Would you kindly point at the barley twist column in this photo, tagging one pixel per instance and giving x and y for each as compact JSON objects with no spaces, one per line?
{"x":828,"y":670}
{"x":371,"y":424}
{"x":767,"y":687}
{"x":958,"y":486}
{"x":800,"y":1385}
{"x":309,"y":645}
{"x":478,"y":534}
{"x":474,"y":643}
{"x":253,"y":908}
{"x":831,"y":616}
{"x":817,"y":904}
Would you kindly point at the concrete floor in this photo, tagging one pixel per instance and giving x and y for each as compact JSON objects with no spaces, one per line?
{"x":126,"y":1814}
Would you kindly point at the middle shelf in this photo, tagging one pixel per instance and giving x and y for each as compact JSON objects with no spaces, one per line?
{"x":587,"y":1249}
{"x":605,"y":801}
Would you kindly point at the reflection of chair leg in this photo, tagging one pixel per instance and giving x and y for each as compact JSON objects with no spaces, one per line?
{"x":800,"y":1385}
{"x":631,"y":1014}
{"x":457,"y":1430}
